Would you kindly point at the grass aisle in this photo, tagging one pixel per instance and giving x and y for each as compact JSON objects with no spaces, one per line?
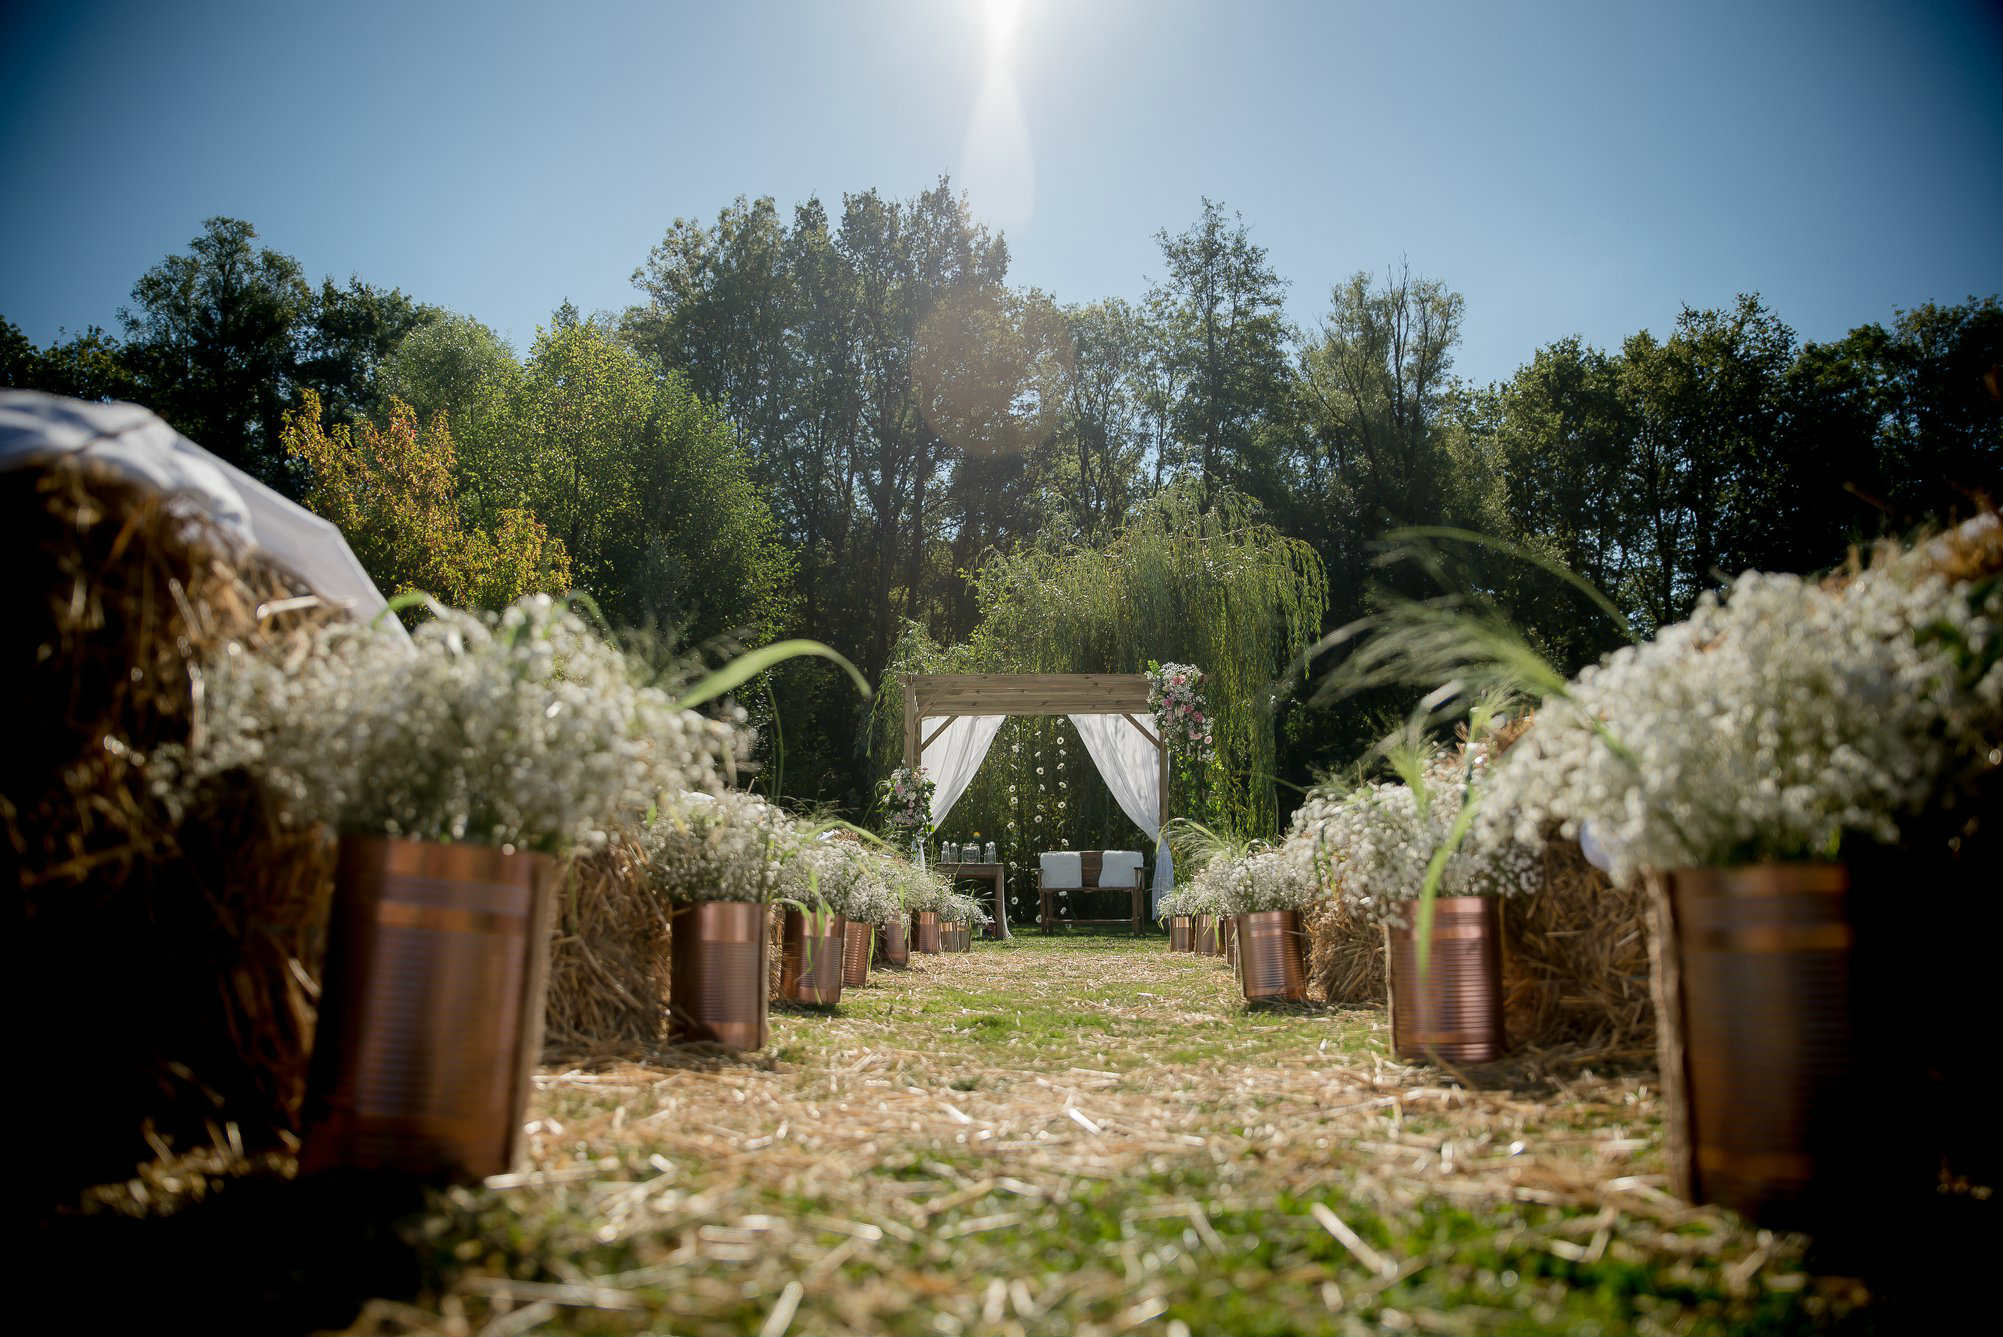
{"x":1089,"y":1135}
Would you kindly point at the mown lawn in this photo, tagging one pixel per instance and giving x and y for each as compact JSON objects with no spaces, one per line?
{"x":1091,"y":1135}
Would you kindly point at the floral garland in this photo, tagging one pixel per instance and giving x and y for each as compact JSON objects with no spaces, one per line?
{"x":1182,"y":713}
{"x":907,"y":802}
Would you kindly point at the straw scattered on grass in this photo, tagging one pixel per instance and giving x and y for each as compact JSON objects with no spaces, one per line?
{"x":1089,"y":1135}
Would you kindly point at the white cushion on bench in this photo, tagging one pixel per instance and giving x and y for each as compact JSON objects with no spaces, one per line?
{"x":1119,"y":868}
{"x":1062,"y":869}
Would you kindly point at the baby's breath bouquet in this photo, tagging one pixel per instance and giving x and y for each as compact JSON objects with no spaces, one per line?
{"x":846,"y":878}
{"x":959,"y":908}
{"x":1784,"y":720}
{"x":1375,"y":844}
{"x":731,"y":847}
{"x":524,"y":730}
{"x":1259,"y":880}
{"x":1200,"y":894}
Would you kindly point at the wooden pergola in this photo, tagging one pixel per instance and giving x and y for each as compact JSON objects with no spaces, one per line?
{"x":945,"y":697}
{"x":951,"y":695}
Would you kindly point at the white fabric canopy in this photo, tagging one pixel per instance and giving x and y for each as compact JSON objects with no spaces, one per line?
{"x":1131,"y":766}
{"x":951,"y":759}
{"x":136,"y":445}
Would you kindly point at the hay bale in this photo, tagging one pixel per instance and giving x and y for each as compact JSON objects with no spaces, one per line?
{"x":1345,"y":955}
{"x":168,"y":954}
{"x":1575,"y":962}
{"x":608,"y":964}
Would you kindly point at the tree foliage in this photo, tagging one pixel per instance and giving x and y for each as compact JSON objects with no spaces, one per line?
{"x":845,"y":422}
{"x":393,"y":491}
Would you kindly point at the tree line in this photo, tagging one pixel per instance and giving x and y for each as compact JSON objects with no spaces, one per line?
{"x":824,"y":424}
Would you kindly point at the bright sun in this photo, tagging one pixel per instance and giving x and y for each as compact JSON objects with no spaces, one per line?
{"x":1002,"y":18}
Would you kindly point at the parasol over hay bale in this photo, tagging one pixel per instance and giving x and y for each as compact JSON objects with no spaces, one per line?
{"x":168,"y":952}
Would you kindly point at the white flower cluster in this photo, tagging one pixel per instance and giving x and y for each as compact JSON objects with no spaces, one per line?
{"x":850,"y":880}
{"x":1255,"y":881}
{"x":1778,"y":723}
{"x":1372,"y":846}
{"x":527,"y":730}
{"x":733,"y":847}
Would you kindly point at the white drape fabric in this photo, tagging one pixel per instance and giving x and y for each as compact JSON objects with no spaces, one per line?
{"x":1131,"y":767}
{"x":951,"y":759}
{"x":136,"y":445}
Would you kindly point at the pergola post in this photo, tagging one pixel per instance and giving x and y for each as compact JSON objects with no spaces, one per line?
{"x":910,"y":721}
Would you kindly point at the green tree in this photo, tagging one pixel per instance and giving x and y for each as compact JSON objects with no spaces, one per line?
{"x":87,"y":366}
{"x":392,"y":492}
{"x":1103,"y":425}
{"x":346,"y":336}
{"x":454,"y":364}
{"x":1226,"y":333}
{"x":211,"y":338}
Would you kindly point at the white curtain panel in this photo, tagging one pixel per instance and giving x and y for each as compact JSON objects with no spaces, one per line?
{"x":1132,"y":770}
{"x":952,"y":758}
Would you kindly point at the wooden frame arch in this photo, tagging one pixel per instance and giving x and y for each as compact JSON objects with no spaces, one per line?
{"x":955,"y":694}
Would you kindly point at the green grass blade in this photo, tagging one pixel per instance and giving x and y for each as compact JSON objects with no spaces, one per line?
{"x":749,"y":665}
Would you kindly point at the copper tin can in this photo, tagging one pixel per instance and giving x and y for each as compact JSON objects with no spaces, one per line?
{"x":1453,"y":1011}
{"x":1767,"y":1103}
{"x":1206,"y":940}
{"x":810,"y":957}
{"x":431,"y":1009}
{"x":1269,"y":956}
{"x":1181,"y":933}
{"x":856,"y":939}
{"x":893,"y":940}
{"x":717,"y":966}
{"x":925,"y":931}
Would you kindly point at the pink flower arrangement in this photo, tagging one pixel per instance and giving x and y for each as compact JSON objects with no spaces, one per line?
{"x":1175,"y":691}
{"x":907,"y":801}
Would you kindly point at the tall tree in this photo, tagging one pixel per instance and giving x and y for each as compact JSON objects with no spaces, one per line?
{"x":346,"y":336}
{"x":211,"y":337}
{"x":1104,"y":427}
{"x":1373,"y":384}
{"x":1227,"y":335}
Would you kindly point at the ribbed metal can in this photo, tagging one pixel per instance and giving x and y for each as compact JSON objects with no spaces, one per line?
{"x":1270,"y":966}
{"x":856,"y":940}
{"x":1206,"y":940}
{"x":431,"y":1009}
{"x":1181,"y":933}
{"x":1454,"y":1009}
{"x":894,"y":941}
{"x":810,"y":957}
{"x":1768,"y":1101}
{"x":925,"y":931}
{"x":717,"y":966}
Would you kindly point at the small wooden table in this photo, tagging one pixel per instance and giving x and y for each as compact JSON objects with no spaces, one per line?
{"x":993,"y":873}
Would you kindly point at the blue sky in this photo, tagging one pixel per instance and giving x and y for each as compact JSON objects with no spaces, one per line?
{"x":1570,"y":168}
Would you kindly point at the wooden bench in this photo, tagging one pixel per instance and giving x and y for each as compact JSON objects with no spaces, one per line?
{"x":1090,"y":864}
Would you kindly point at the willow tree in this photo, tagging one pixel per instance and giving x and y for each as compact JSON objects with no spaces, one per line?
{"x":1216,"y":586}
